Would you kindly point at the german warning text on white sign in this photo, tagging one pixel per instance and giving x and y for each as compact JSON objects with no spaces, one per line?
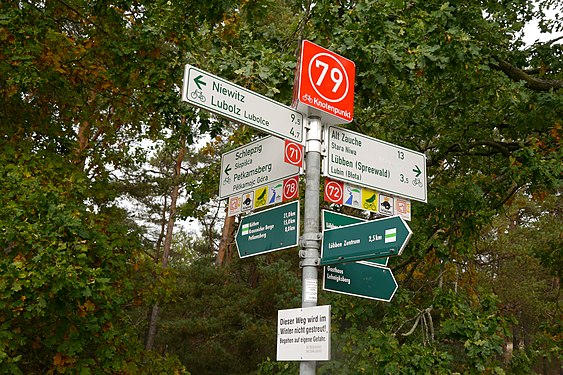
{"x":304,"y":334}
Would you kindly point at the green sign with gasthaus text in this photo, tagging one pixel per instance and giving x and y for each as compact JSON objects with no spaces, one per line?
{"x":361,"y":279}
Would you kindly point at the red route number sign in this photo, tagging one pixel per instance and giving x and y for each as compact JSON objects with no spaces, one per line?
{"x":290,"y":188}
{"x":326,"y":83}
{"x":334,"y":191}
{"x":293,"y":153}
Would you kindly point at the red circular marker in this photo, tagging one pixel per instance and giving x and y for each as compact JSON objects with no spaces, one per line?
{"x":290,"y":188}
{"x":328,"y":77}
{"x":293,"y":153}
{"x":334,"y":191}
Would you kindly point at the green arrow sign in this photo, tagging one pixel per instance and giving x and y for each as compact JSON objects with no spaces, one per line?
{"x":333,"y":220}
{"x":269,"y":230}
{"x":361,"y":279}
{"x":368,"y":240}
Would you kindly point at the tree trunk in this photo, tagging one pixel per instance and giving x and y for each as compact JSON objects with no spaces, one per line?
{"x":224,"y":253}
{"x":153,"y":320}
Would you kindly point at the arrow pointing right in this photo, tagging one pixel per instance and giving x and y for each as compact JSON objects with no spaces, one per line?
{"x":417,"y":171}
{"x":199,"y":82}
{"x":366,"y":240}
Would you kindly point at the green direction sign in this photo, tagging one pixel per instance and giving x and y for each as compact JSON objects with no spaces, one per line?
{"x":331,"y":220}
{"x":269,"y":230}
{"x":367,"y":240}
{"x":361,"y":279}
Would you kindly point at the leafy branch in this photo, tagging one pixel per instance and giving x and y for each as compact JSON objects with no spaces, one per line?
{"x":533,"y":83}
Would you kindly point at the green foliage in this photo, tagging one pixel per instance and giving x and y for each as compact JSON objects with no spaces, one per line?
{"x":372,"y":351}
{"x":64,"y":283}
{"x":270,"y":367}
{"x":226,"y":314}
{"x":480,"y":328}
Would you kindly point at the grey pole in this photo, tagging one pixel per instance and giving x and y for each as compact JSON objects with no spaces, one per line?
{"x":311,"y":239}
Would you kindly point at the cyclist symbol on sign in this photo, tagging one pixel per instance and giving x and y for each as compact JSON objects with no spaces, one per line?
{"x":307,"y":98}
{"x":197,"y":94}
{"x":417,"y":182}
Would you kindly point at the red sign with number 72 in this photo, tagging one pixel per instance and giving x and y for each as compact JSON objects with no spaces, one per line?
{"x":334,"y":191}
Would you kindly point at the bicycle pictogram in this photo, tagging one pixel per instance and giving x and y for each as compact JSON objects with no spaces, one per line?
{"x":261,"y":200}
{"x":198,"y":94}
{"x":417,"y":182}
{"x":371,"y":203}
{"x":307,"y":98}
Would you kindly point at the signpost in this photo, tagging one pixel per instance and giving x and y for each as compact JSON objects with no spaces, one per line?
{"x":255,"y":164}
{"x":369,"y":162}
{"x":325,"y":94}
{"x":269,"y":230}
{"x":325,"y":84}
{"x":362,"y":241}
{"x":204,"y":90}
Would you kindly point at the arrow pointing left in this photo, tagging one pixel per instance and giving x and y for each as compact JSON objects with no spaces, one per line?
{"x":227,"y":169}
{"x":199,"y":82}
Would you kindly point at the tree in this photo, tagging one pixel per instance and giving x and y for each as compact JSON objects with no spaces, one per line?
{"x":514,"y":263}
{"x":83,"y":83}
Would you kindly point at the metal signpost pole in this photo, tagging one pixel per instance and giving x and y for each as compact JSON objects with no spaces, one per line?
{"x":310,"y":241}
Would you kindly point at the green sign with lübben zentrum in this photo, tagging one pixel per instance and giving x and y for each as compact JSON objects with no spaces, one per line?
{"x":367,"y":240}
{"x":360,"y":279}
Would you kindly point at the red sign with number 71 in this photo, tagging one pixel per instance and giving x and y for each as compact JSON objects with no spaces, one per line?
{"x":293,"y":153}
{"x":326,"y":84}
